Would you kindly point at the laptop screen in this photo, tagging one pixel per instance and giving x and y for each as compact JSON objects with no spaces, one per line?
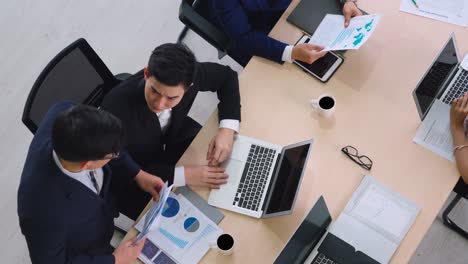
{"x":286,"y":184}
{"x":307,"y":235}
{"x":431,"y":83}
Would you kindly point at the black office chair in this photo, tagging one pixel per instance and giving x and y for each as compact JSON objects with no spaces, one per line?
{"x":195,"y":15}
{"x":77,"y":74}
{"x":461,"y":190}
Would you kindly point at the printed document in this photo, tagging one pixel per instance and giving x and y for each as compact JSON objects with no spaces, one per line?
{"x":450,"y":11}
{"x":183,"y":235}
{"x":375,"y":220}
{"x":434,"y":132}
{"x":152,"y":217}
{"x":384,"y":210}
{"x":332,"y":34}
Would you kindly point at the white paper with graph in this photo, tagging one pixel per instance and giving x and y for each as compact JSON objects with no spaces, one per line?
{"x":375,"y":220}
{"x":183,"y":234}
{"x":332,"y":34}
{"x":384,"y":210}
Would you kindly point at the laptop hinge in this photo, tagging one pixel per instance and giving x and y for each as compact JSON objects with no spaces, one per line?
{"x":273,"y":180}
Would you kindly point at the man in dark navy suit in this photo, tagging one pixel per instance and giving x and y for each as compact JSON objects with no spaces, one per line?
{"x":65,"y":198}
{"x":248,"y":22}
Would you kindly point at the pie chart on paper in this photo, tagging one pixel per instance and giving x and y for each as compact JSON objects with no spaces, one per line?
{"x":191,"y":224}
{"x":171,"y":208}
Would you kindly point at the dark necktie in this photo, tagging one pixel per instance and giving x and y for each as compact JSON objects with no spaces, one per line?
{"x":92,"y":176}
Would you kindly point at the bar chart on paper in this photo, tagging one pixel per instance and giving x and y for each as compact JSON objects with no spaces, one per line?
{"x":177,"y":241}
{"x":206,"y":231}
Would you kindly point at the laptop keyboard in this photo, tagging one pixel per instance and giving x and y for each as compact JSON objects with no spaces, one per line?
{"x":254,"y":177}
{"x":459,"y":87}
{"x":322,"y":259}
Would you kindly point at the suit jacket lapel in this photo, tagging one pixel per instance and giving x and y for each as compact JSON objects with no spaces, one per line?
{"x":177,"y":119}
{"x":107,"y":173}
{"x":74,"y":189}
{"x":147,"y":117}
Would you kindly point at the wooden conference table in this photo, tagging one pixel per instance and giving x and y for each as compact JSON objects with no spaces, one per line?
{"x":375,"y":113}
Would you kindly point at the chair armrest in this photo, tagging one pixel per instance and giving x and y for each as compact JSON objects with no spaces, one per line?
{"x":122,"y":76}
{"x":203,"y":27}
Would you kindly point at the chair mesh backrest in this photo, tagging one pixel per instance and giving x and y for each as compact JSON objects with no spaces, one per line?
{"x":75,"y":74}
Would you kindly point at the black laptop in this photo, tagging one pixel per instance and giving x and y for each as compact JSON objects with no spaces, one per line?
{"x":313,"y":230}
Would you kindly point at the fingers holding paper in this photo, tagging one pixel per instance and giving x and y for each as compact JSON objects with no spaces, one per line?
{"x":150,"y":183}
{"x":128,"y":251}
{"x":350,"y":10}
{"x":308,"y":53}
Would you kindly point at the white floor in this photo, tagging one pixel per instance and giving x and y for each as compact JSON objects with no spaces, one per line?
{"x":123,"y":33}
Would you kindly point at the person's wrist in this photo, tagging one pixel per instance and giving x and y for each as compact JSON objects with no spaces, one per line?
{"x":139,"y":178}
{"x":457,"y":130}
{"x":188,"y":172}
{"x":294,"y":53}
{"x":226,"y":130}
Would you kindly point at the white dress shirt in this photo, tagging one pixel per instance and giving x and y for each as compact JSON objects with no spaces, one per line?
{"x":287,"y":53}
{"x":164,"y":120}
{"x":82,"y":176}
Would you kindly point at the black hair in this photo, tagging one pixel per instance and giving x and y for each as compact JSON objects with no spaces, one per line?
{"x":172,"y":64}
{"x":85,"y":133}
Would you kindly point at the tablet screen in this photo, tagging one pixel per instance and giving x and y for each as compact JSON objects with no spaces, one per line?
{"x":321,"y":66}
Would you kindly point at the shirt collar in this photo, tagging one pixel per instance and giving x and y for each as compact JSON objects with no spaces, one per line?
{"x":169,"y":110}
{"x":74,"y":175}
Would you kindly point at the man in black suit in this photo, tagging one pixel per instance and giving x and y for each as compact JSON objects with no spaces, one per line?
{"x":65,"y":198}
{"x":154,"y":104}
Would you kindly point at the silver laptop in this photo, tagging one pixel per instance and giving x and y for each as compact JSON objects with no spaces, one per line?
{"x":445,"y":80}
{"x":264,"y":178}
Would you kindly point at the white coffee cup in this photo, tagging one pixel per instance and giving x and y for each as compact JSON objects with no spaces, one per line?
{"x":325,"y":105}
{"x":224,"y":244}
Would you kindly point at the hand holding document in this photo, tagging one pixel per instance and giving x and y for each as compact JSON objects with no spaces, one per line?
{"x":332,"y":34}
{"x":154,"y":213}
{"x":450,"y":11}
{"x":182,"y":233}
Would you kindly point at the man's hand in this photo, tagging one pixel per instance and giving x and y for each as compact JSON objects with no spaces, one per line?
{"x":220,"y":146}
{"x":126,"y":253}
{"x":149,"y":183}
{"x":458,"y":113}
{"x":205,"y":176}
{"x":350,"y":10}
{"x":307,"y":52}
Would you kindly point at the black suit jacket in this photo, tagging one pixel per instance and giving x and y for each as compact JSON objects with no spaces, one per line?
{"x":62,"y":219}
{"x":149,"y":148}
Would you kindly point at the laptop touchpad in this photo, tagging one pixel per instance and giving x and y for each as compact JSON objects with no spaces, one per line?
{"x":234,"y":169}
{"x":240,"y":150}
